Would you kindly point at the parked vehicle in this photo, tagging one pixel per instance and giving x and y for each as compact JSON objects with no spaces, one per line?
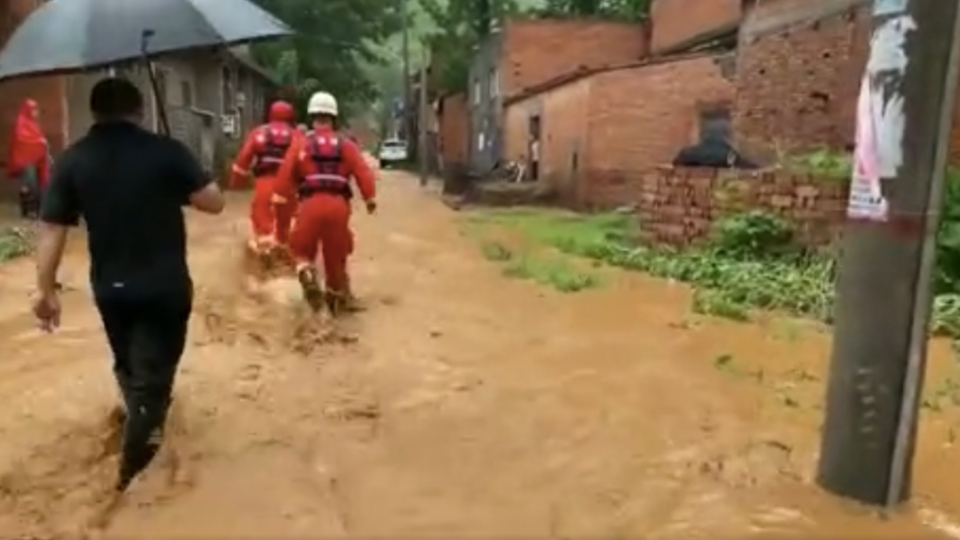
{"x":392,"y":151}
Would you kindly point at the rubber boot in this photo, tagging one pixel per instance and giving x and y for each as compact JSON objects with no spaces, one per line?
{"x":312,"y":291}
{"x":29,"y":206}
{"x":265,"y":249}
{"x":336,"y":303}
{"x":352,"y":304}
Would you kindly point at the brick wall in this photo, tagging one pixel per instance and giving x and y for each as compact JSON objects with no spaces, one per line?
{"x":679,"y":206}
{"x":640,"y":118}
{"x":535,"y":51}
{"x":675,"y":22}
{"x":798,"y":75}
{"x":454,"y":130}
{"x":564,"y":133}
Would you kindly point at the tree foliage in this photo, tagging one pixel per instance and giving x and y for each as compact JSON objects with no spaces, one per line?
{"x":462,"y":26}
{"x":334,"y":41}
{"x":629,"y":10}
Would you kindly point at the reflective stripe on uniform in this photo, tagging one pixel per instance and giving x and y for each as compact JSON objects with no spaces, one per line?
{"x":320,"y":177}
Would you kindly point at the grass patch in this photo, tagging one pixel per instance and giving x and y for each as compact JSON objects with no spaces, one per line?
{"x":570,"y":233}
{"x":495,"y":251}
{"x":554,"y":272}
{"x":745,"y":267}
{"x":749,"y":263}
{"x":15,"y":242}
{"x":540,"y":252}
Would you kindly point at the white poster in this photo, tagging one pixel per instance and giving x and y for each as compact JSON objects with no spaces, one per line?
{"x":880,"y":120}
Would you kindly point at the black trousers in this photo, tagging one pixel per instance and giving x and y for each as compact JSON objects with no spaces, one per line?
{"x":147,"y":337}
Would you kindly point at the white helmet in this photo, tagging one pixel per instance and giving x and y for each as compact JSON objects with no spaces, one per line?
{"x":322,"y":103}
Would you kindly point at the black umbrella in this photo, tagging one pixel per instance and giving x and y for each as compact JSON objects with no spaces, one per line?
{"x":76,"y":35}
{"x":66,"y":36}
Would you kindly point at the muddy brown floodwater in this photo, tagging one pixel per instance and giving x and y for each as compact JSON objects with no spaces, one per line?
{"x":468,"y":405}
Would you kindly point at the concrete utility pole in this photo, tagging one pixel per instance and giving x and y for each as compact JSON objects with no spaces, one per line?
{"x":886,"y":270}
{"x":423,"y":125}
{"x":405,"y":119}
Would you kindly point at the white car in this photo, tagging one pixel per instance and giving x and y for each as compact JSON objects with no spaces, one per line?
{"x":392,"y":151}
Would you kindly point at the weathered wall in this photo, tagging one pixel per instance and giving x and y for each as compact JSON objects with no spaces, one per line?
{"x":798,"y":75}
{"x":484,"y":98}
{"x":676,"y":22}
{"x":538,"y":50}
{"x":454,"y":130}
{"x":634,"y":129}
{"x":563,"y":117}
{"x":679,"y":206}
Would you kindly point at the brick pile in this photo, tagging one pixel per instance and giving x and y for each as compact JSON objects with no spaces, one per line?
{"x":678,"y":206}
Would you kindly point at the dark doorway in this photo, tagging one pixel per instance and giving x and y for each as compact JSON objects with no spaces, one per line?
{"x":533,"y":147}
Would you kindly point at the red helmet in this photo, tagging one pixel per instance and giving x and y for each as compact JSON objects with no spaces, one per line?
{"x":281,"y":111}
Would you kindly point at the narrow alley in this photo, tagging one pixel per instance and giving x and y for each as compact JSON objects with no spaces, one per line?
{"x":461,"y":404}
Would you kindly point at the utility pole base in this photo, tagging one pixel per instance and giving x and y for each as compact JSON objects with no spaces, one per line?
{"x":884,"y":290}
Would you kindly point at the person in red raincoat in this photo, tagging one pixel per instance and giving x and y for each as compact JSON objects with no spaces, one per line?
{"x":317,"y":172}
{"x":262,"y":154}
{"x":28,"y":161}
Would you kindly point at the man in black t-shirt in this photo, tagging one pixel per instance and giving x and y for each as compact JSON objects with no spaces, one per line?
{"x":129,"y":186}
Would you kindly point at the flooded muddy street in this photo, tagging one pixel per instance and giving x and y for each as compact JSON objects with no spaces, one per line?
{"x":462,"y":403}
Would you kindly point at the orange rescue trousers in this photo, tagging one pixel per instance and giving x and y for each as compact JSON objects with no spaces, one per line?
{"x":323,"y":225}
{"x":269,"y":220}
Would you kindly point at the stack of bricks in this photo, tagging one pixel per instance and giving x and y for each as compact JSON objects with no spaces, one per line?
{"x":678,"y":206}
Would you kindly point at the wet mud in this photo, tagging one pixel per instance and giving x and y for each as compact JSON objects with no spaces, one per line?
{"x":459,"y":404}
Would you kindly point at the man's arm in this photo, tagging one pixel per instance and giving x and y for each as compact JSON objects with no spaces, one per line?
{"x":192,"y":184}
{"x":60,"y":210}
{"x":240,"y":170}
{"x":361,"y":172}
{"x":285,"y":183}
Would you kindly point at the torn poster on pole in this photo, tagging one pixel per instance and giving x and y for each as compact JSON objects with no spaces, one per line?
{"x":880,"y":117}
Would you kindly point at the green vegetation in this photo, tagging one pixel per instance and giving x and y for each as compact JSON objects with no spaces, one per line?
{"x":750,"y":262}
{"x":354,"y":49}
{"x":542,"y":251}
{"x":630,"y":10}
{"x":14,"y":243}
{"x":458,"y":27}
{"x":334,"y":44}
{"x":552,"y":270}
{"x":823,"y":163}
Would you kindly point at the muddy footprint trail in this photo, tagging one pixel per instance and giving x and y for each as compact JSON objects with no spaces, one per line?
{"x":460,"y":404}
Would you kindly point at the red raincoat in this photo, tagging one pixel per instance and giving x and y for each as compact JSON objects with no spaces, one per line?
{"x":28,"y":146}
{"x":262,"y":154}
{"x":318,"y":171}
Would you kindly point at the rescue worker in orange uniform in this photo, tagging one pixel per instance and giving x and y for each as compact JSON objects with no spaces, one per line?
{"x":261,"y":156}
{"x":317,"y":172}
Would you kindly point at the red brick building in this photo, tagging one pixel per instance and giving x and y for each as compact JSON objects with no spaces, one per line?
{"x":454,"y":130}
{"x":798,"y":74}
{"x":681,"y":24}
{"x":529,"y":52}
{"x":603,"y":127}
{"x":799,"y":68}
